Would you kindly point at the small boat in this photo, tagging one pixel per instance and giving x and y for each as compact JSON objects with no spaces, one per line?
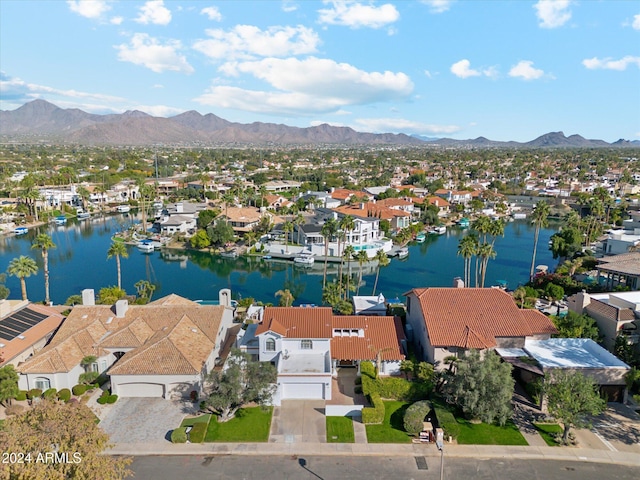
{"x":123,"y":208}
{"x":421,"y":237}
{"x":304,"y":258}
{"x":463,"y":222}
{"x":61,"y":220}
{"x":229,"y":254}
{"x":440,"y":230}
{"x":82,"y":215}
{"x":20,"y":230}
{"x":403,"y":252}
{"x":146,"y":246}
{"x":267,"y":257}
{"x":519,"y":216}
{"x":157,"y":205}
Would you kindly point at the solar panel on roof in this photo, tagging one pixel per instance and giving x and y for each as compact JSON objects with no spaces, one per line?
{"x":8,"y":334}
{"x":19,"y":322}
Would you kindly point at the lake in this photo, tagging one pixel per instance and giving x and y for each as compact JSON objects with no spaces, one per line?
{"x":80,"y":261}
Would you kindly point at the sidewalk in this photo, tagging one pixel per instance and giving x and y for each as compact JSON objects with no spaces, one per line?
{"x":379,"y":449}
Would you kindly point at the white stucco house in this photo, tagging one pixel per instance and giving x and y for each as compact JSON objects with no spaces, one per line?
{"x":309,"y":345}
{"x":162,"y":349}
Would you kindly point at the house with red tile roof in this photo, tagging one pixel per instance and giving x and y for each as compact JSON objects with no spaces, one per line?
{"x":449,"y":321}
{"x":309,"y":345}
{"x":162,"y":349}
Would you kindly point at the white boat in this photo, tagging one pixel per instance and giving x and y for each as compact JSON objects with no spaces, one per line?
{"x":441,"y":230}
{"x":20,"y":230}
{"x":403,"y":252}
{"x":304,"y":258}
{"x":420,"y":238}
{"x":146,"y":246}
{"x":61,"y":220}
{"x":82,"y":215}
{"x":123,"y":208}
{"x":229,"y":254}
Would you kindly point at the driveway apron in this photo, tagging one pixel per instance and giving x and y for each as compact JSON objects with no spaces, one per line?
{"x":299,"y":421}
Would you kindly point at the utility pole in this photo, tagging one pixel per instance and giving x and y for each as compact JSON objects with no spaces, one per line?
{"x":440,"y":446}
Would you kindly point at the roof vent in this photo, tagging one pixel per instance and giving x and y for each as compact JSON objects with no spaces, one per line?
{"x":21,"y":337}
{"x":2,"y":345}
{"x":194,"y":330}
{"x":109,"y":320}
{"x":85,"y":316}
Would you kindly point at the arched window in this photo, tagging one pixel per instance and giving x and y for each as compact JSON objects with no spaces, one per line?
{"x":270,"y":345}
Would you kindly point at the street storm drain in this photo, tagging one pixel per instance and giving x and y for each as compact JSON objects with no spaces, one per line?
{"x":421,"y":463}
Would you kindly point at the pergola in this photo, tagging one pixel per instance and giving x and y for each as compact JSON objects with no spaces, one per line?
{"x":623,"y":269}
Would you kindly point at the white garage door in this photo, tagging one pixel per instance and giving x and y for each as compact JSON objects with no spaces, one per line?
{"x":303,"y":390}
{"x":141,"y":390}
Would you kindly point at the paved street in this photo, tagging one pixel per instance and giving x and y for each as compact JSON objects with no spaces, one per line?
{"x":371,"y":468}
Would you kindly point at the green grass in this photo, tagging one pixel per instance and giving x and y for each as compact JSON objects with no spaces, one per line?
{"x":392,"y":429}
{"x":340,"y":430}
{"x":193,"y":420}
{"x":249,"y":425}
{"x":547,"y":431}
{"x":485,"y":434}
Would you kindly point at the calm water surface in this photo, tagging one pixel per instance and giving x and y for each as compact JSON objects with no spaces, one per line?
{"x":80,"y":261}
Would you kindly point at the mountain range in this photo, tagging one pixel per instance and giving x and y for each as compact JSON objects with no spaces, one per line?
{"x":40,"y":120}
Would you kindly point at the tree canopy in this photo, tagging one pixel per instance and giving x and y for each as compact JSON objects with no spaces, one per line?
{"x":571,"y":399}
{"x":8,"y":384}
{"x":220,"y":233}
{"x":575,"y":325}
{"x":67,"y":430}
{"x":482,"y":386}
{"x":242,"y":381}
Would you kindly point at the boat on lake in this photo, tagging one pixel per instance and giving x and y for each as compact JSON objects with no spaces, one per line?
{"x":403,"y":252}
{"x":304,"y":258}
{"x":229,"y":254}
{"x":20,"y":230}
{"x":60,"y":220}
{"x":439,"y":230}
{"x":146,"y":246}
{"x":463,"y":222}
{"x":82,"y":215}
{"x":123,"y":208}
{"x":421,"y":237}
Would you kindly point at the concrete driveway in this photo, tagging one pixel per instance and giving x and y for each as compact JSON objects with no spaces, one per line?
{"x":142,"y":420}
{"x":299,"y":421}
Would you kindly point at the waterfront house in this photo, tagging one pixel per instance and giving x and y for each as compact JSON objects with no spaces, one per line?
{"x":244,"y":219}
{"x":162,"y":349}
{"x":177,"y":224}
{"x":281,"y":185}
{"x":308,"y":346}
{"x":25,"y":328}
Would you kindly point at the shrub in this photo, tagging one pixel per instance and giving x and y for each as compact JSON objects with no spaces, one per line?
{"x":105,"y":393}
{"x":102,"y":400}
{"x":88,"y":377}
{"x":49,"y":393}
{"x":34,"y":393}
{"x":64,"y":395}
{"x":22,"y":395}
{"x":179,"y":435}
{"x":197,"y":433}
{"x":367,"y":369}
{"x":414,"y":416}
{"x":112,"y":398}
{"x":446,"y":419}
{"x":14,"y":410}
{"x":79,"y":389}
{"x":373,"y":414}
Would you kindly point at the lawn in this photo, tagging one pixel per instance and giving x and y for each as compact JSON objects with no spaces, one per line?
{"x":392,"y":429}
{"x":187,"y":422}
{"x":547,"y":431}
{"x":249,"y":425}
{"x":485,"y":434}
{"x":340,"y":430}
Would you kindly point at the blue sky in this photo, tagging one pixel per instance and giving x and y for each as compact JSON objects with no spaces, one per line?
{"x":506,"y":70}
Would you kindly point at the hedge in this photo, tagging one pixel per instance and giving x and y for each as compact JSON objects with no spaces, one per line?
{"x":112,"y":398}
{"x":367,"y":369}
{"x":64,"y":395}
{"x":34,"y":393}
{"x":102,"y":400}
{"x":49,"y":393}
{"x":414,"y":416}
{"x":395,"y":388}
{"x":197,"y":433}
{"x":446,"y":419}
{"x":22,"y":395}
{"x":179,"y":435}
{"x":105,"y":393}
{"x":79,"y":389}
{"x":373,"y":414}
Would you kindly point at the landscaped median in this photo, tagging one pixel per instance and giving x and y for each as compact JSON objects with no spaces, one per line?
{"x":249,"y":425}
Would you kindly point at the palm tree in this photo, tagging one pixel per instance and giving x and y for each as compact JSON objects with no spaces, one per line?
{"x":44,"y":243}
{"x":287,"y":228}
{"x":520,"y":294}
{"x":383,"y":261}
{"x":286,"y":297}
{"x":348,"y":254}
{"x":362,"y":258}
{"x":345,"y":226}
{"x":298,"y":222}
{"x":328,"y":230}
{"x":118,"y":250}
{"x":23,"y":267}
{"x":485,"y":252}
{"x":467,"y":248}
{"x":540,"y":217}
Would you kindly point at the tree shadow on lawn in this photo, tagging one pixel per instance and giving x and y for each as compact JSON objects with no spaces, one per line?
{"x":396,"y":420}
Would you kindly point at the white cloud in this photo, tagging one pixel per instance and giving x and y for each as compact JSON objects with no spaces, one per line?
{"x":248,"y":41}
{"x":428,"y":74}
{"x":89,"y":8}
{"x":307,"y":86}
{"x":438,"y":6}
{"x":524,"y":69}
{"x":553,"y":13}
{"x":357,"y":15}
{"x":462,"y":69}
{"x":212,"y":13}
{"x":289,"y":6}
{"x":148,"y":52}
{"x":399,"y":125}
{"x":636,"y":22}
{"x":609,"y":64}
{"x":116,"y":21}
{"x":154,"y":12}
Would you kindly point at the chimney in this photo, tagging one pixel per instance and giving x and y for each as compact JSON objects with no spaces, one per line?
{"x":361,"y":206}
{"x":224,"y":297}
{"x":179,"y":207}
{"x":121,"y":308}
{"x":458,"y":282}
{"x":88,"y":296}
{"x":578,"y":302}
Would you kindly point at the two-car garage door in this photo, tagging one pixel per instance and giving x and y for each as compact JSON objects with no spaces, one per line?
{"x":141,"y":390}
{"x":303,"y":391}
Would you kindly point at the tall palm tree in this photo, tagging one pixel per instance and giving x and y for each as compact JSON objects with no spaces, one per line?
{"x":287,"y":228}
{"x":44,"y":243}
{"x":23,"y":267}
{"x":362,"y":258}
{"x":348,"y":253}
{"x":540,"y":220}
{"x":345,"y":226}
{"x":383,"y":261}
{"x":467,"y":249}
{"x":298,"y":222}
{"x":485,"y":252}
{"x":328,"y":230}
{"x":286,"y":297}
{"x":118,"y":250}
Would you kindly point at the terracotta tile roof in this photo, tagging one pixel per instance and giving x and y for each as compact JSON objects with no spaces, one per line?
{"x":343,"y":194}
{"x":298,"y":322}
{"x":539,"y":323}
{"x":473,"y":316}
{"x":610,"y":312}
{"x":438,"y":201}
{"x":381,"y":334}
{"x":40,"y":330}
{"x":394,"y":202}
{"x":149,"y":329}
